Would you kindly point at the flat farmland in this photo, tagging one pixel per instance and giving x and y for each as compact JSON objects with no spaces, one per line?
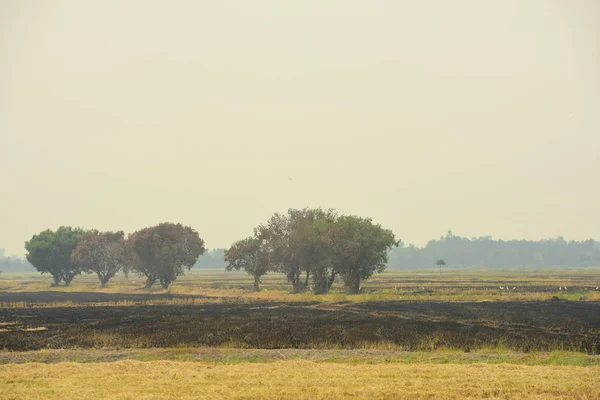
{"x":450,"y":285}
{"x":461,"y":334}
{"x":521,"y":310}
{"x":407,"y":325}
{"x":297,"y":379}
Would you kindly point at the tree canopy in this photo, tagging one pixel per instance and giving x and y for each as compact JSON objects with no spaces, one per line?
{"x":102,"y":253}
{"x":295,"y":243}
{"x":361,"y":249}
{"x":50,"y":252}
{"x":164,"y":251}
{"x":313,"y":246}
{"x":250,"y":255}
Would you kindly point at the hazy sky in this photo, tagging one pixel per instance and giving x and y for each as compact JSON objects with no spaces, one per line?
{"x":478,"y":116}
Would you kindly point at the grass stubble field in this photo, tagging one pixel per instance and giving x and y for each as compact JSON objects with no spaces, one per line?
{"x":410,"y":334}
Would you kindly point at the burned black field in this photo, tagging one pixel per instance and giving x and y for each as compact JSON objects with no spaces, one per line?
{"x":407,"y":325}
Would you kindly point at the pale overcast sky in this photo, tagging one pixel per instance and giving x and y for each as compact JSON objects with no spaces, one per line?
{"x":478,"y":116}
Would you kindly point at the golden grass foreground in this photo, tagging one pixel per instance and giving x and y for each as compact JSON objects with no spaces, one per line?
{"x":295,"y":379}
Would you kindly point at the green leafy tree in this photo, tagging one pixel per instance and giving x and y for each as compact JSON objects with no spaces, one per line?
{"x":322,"y":246}
{"x":294,"y":243}
{"x":162,"y":252}
{"x":440,"y":263}
{"x":250,"y":255}
{"x":361,"y":249}
{"x":50,"y":252}
{"x":102,"y":253}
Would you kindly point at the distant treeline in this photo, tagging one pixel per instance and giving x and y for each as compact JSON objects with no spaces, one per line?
{"x":14,"y":264}
{"x":214,"y":258}
{"x":485,"y":252}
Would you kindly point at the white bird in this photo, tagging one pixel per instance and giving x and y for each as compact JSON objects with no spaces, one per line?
{"x":565,"y":288}
{"x":560,"y":288}
{"x":501,"y":287}
{"x":515,"y":288}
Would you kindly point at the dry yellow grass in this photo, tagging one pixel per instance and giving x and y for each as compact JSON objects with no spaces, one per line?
{"x":293,"y":380}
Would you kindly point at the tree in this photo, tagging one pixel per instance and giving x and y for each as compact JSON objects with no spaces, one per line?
{"x":322,"y":247}
{"x":361,"y":249}
{"x":250,"y":255}
{"x":294,"y":244}
{"x":102,"y":253}
{"x":50,"y":252}
{"x":440,"y":263}
{"x":162,"y":252}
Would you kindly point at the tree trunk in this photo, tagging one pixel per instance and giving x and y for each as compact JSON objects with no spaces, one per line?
{"x":164,"y":284}
{"x":256,"y":283}
{"x":57,"y":279}
{"x":103,"y":280}
{"x":330,"y":280}
{"x":149,"y":282}
{"x":297,"y":285}
{"x":307,"y":276}
{"x":320,"y":281}
{"x":354,"y":285}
